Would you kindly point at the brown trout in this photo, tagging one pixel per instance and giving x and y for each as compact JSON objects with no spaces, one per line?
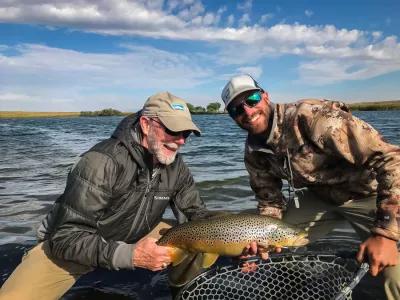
{"x":228,"y":235}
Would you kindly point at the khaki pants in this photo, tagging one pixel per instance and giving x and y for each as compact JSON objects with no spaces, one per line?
{"x":319,"y":218}
{"x":42,"y":277}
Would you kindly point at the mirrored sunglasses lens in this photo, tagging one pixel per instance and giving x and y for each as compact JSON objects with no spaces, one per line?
{"x":232,"y":112}
{"x":254,"y":99}
{"x":236,"y":111}
{"x":251,"y":101}
{"x":239,"y":110}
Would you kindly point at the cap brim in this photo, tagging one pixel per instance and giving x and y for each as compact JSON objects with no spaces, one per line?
{"x":176,"y":124}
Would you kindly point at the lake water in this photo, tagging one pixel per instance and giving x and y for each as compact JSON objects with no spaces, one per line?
{"x":36,"y":155}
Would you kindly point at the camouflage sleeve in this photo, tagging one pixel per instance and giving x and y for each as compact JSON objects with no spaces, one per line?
{"x":340,"y":134}
{"x":268,"y":189}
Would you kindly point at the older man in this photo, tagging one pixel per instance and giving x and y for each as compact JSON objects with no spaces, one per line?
{"x":340,"y":162}
{"x":114,"y":199}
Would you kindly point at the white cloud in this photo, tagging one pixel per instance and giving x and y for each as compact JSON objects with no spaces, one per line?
{"x":255,"y":72}
{"x":308,"y":12}
{"x":4,"y":47}
{"x":244,"y":20}
{"x":316,"y":46}
{"x":12,"y":97}
{"x":78,"y":77}
{"x":376,"y":35}
{"x":191,"y":11}
{"x":230,"y":20}
{"x":265,"y":18}
{"x":112,"y":17}
{"x":172,"y":4}
{"x":118,"y":17}
{"x":154,"y":4}
{"x":246,"y":5}
{"x":363,"y":64}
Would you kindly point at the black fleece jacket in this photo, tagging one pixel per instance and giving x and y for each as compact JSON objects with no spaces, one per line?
{"x":112,"y":199}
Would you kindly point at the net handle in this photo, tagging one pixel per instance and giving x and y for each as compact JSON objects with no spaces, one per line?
{"x":360,"y":274}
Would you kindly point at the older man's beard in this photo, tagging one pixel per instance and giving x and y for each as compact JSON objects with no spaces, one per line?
{"x":156,"y":148}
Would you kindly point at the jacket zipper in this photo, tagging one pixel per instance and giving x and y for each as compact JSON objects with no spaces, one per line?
{"x":142,"y":203}
{"x":290,"y":180}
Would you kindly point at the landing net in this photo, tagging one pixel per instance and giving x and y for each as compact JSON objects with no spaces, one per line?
{"x":322,"y":276}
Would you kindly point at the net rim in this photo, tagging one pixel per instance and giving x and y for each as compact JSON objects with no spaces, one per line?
{"x":340,"y":258}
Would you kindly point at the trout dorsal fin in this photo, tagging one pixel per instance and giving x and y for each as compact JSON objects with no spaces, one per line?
{"x":209,"y":259}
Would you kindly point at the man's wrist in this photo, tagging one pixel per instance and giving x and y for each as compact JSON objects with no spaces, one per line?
{"x":385,"y":232}
{"x":123,"y":256}
{"x":380,"y":236}
{"x":271,"y":211}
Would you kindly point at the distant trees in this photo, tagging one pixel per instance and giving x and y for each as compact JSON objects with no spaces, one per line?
{"x":199,"y":109}
{"x":101,"y":113}
{"x":196,"y":109}
{"x":191,"y":107}
{"x":212,"y":108}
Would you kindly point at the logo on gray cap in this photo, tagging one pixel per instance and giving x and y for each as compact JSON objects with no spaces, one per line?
{"x":237,"y":85}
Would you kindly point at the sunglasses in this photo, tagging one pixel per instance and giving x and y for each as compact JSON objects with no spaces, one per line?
{"x":184,"y":133}
{"x":251,"y":101}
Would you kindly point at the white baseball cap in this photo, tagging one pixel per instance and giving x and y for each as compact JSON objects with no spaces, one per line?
{"x":236,"y":86}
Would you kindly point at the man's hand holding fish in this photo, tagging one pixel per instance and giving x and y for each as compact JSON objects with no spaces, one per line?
{"x":254,"y":249}
{"x":150,"y":256}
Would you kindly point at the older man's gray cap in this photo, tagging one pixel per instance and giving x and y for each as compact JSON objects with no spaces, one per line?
{"x":237,"y":85}
{"x":172,"y":111}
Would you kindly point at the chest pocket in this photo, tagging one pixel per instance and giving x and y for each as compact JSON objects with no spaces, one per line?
{"x":158,"y":202}
{"x":118,"y":218}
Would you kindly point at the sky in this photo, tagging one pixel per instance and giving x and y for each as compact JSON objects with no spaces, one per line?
{"x":76,"y":55}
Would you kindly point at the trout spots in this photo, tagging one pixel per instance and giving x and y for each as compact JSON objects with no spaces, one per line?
{"x":220,"y":232}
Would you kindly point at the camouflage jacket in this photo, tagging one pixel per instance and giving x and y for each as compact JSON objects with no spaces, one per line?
{"x":320,"y":145}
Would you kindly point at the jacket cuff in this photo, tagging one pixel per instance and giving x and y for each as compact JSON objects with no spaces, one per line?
{"x":386,"y":224}
{"x":386,"y":233}
{"x":122,"y":258}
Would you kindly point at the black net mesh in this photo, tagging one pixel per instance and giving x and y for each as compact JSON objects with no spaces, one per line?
{"x":280,"y":277}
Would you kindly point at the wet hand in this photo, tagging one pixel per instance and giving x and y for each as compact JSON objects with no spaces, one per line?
{"x":148,"y":255}
{"x":253,"y":249}
{"x":380,"y":251}
{"x":271,"y":211}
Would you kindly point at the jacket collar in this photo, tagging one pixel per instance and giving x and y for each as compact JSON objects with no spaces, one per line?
{"x":129,"y":134}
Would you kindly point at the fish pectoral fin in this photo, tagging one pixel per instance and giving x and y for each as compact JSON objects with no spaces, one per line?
{"x":209,"y":259}
{"x":177,"y":255}
{"x":163,"y":231}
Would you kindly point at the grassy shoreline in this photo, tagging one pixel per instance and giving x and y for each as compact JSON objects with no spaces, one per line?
{"x":378,"y":105}
{"x":363,"y":106}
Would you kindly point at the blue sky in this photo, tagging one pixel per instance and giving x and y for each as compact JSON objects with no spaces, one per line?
{"x":73,"y":55}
